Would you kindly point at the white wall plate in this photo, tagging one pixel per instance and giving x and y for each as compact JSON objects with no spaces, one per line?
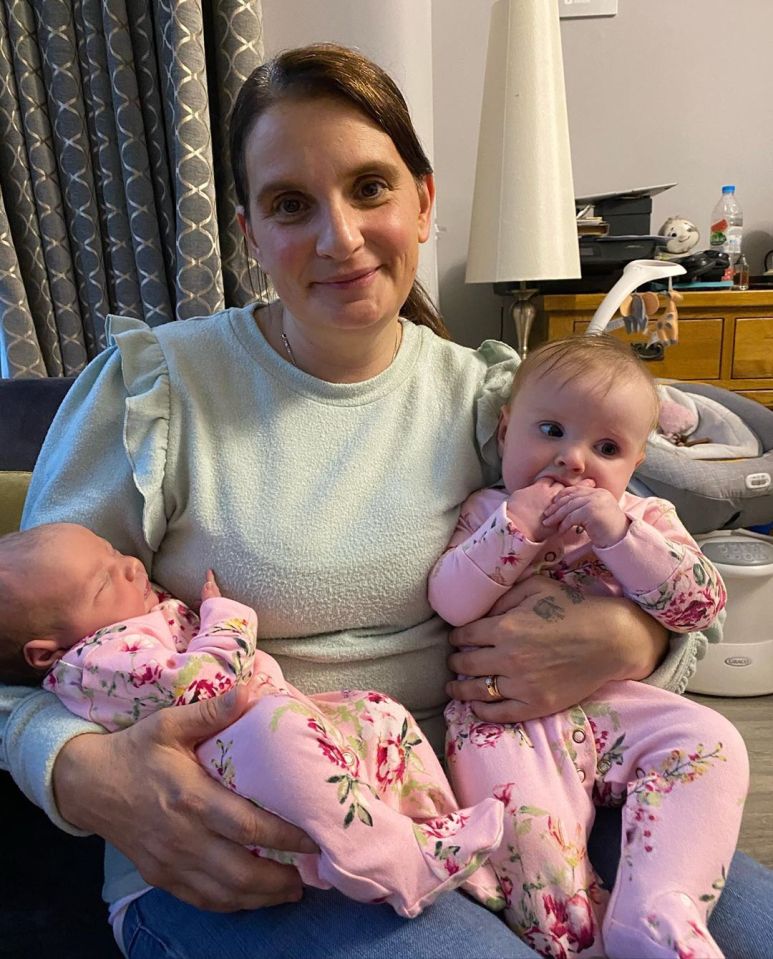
{"x":587,"y":8}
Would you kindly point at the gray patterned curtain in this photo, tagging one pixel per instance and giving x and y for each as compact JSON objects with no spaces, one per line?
{"x":114,"y":190}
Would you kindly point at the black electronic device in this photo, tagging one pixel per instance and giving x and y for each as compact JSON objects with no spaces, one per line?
{"x":625,"y":212}
{"x":625,"y":215}
{"x":706,"y":266}
{"x":601,"y":254}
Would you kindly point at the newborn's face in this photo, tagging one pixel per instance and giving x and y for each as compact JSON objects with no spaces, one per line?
{"x":90,"y":583}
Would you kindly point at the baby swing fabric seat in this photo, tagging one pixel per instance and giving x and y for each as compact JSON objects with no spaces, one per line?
{"x":714,"y":460}
{"x":718,"y":470}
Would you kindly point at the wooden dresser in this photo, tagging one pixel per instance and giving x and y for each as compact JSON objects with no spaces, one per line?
{"x":725,"y":337}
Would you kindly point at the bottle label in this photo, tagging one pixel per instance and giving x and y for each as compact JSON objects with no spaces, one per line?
{"x":718,"y":233}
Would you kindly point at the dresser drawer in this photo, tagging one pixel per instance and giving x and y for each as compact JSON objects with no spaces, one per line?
{"x":753,"y":348}
{"x":760,"y":396}
{"x":725,"y":337}
{"x":696,"y":356}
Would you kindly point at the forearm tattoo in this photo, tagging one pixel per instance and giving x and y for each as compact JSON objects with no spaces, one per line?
{"x":549,"y":610}
{"x":574,"y":594}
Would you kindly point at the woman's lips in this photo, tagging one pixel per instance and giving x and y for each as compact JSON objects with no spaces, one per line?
{"x":349,"y":280}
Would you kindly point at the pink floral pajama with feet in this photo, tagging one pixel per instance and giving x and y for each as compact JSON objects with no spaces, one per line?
{"x":679,"y":770}
{"x":350,"y":768}
{"x":681,"y":774}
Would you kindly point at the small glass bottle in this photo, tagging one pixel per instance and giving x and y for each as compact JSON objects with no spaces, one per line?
{"x":741,"y":274}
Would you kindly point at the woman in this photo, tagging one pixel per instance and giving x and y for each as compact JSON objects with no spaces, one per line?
{"x":297,"y":448}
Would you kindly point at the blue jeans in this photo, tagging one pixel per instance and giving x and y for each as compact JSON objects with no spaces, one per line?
{"x":326,"y":925}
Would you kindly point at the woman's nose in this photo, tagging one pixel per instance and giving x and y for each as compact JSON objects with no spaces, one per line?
{"x":339,"y":234}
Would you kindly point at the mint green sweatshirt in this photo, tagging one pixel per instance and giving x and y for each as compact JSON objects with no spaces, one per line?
{"x":321,"y":505}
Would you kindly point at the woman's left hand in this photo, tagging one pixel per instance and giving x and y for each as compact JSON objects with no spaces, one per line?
{"x":551,"y":646}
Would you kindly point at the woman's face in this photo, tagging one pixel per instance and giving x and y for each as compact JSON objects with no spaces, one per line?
{"x":335,"y":216}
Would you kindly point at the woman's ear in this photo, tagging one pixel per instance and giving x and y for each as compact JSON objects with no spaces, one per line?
{"x":504,"y":419}
{"x":43,"y":653}
{"x":426,"y":188}
{"x":246,"y":227}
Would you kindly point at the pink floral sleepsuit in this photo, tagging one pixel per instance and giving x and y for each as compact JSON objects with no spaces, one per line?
{"x":680,"y":770}
{"x":351,"y":768}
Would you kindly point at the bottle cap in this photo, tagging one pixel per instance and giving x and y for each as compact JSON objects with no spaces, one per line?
{"x":728,"y":189}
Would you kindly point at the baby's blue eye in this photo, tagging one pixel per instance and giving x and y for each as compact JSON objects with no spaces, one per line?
{"x":608,"y":449}
{"x":551,"y":429}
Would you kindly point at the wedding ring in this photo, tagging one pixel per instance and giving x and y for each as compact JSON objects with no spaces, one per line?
{"x":492,"y":689}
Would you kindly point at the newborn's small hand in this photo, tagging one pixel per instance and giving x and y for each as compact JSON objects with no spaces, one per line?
{"x":210,"y":588}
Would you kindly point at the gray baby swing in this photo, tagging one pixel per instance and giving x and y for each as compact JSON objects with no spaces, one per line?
{"x":712,"y":457}
{"x":712,"y":454}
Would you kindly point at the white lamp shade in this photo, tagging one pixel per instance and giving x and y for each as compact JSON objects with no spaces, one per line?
{"x":523,"y":218}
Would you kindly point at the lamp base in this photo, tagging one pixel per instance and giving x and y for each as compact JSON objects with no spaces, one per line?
{"x":523,"y":313}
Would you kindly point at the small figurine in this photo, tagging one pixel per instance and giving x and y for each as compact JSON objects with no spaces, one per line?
{"x":636,"y":310}
{"x":682,"y":235}
{"x":667,"y":325}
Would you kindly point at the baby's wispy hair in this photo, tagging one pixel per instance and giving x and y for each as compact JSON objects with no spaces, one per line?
{"x":603,"y":360}
{"x":21,"y":619}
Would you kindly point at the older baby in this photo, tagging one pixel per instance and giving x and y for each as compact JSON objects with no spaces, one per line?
{"x":570,"y":438}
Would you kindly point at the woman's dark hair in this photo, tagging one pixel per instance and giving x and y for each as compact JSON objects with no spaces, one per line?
{"x":329,"y":70}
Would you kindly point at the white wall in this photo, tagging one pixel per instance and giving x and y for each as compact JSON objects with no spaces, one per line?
{"x":668,"y":90}
{"x":665,"y":91}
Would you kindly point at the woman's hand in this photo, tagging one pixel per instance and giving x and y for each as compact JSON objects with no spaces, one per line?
{"x":143,"y":790}
{"x":550,"y":646}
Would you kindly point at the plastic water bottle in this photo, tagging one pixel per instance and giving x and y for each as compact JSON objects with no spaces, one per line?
{"x":727,"y":226}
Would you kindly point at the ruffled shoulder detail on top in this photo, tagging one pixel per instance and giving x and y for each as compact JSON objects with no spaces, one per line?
{"x":501,"y":361}
{"x":146,"y":421}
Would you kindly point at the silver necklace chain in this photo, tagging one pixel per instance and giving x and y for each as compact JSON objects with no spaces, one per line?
{"x":288,"y":347}
{"x":291,"y":355}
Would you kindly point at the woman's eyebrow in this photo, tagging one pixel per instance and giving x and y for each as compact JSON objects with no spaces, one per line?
{"x":277,"y":186}
{"x":384,"y":167}
{"x":381,"y":167}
